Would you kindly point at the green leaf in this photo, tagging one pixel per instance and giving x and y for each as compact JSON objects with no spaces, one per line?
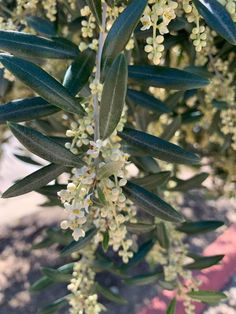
{"x":101,"y":264}
{"x":41,"y":284}
{"x":218,"y":18}
{"x":172,"y":307}
{"x":169,"y":78}
{"x":162,"y":235}
{"x":51,"y":190}
{"x":153,"y":181}
{"x":146,"y":163}
{"x":167,"y":285}
{"x":173,"y":99}
{"x":158,"y":148}
{"x":113,"y":96}
{"x":171,"y":129}
{"x":27,"y":160}
{"x":59,"y":236}
{"x":211,"y":297}
{"x":199,"y":227}
{"x":192,"y":183}
{"x":139,"y":256}
{"x":151,"y":203}
{"x":78,"y":73}
{"x":105,"y":242}
{"x":35,"y":180}
{"x":191,"y":116}
{"x":45,"y":281}
{"x":205,"y":262}
{"x":44,"y":147}
{"x":28,"y":46}
{"x":57,"y":275}
{"x":147,"y":101}
{"x":75,"y":246}
{"x":122,"y":29}
{"x":42,"y":26}
{"x":26,"y":109}
{"x":45,"y":243}
{"x":108,"y":169}
{"x":101,"y":196}
{"x":96,"y":8}
{"x":144,"y":279}
{"x":42,"y":83}
{"x":109,"y":295}
{"x":55,"y":306}
{"x":140,"y":227}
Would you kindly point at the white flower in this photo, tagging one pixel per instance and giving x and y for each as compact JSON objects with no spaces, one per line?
{"x":146,"y":21}
{"x":78,"y":233}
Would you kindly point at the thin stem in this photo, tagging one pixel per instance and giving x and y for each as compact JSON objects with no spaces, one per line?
{"x":101,"y":40}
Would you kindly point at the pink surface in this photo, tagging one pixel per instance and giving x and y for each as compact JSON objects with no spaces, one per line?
{"x":214,"y":278}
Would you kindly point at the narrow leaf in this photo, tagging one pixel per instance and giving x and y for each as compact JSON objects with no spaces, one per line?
{"x":105,"y":242}
{"x":153,"y":181}
{"x":96,"y":8}
{"x":192,"y":183}
{"x":169,"y":78}
{"x":144,"y":279}
{"x":151,"y":203}
{"x":171,"y":129}
{"x":35,"y":180}
{"x":109,"y":295}
{"x":42,"y":83}
{"x":26,"y":109}
{"x":218,"y":18}
{"x":51,"y":190}
{"x":42,"y":26}
{"x":172,"y":307}
{"x":54,"y":307}
{"x":75,"y":246}
{"x":56,"y":275}
{"x":41,"y":284}
{"x":113,"y":96}
{"x":27,"y":45}
{"x":205,"y":262}
{"x":45,"y":282}
{"x":122,"y":29}
{"x":140,"y":227}
{"x":158,"y":148}
{"x":42,"y":146}
{"x":199,"y":227}
{"x":139,"y":256}
{"x":147,"y":101}
{"x":108,"y":169}
{"x":79,"y":71}
{"x":162,"y":235}
{"x":27,"y":160}
{"x":211,"y":297}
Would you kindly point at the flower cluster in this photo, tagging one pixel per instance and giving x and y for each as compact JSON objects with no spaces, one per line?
{"x":158,"y":15}
{"x":89,"y":28}
{"x":173,"y":259}
{"x":50,"y":7}
{"x":83,"y":299}
{"x":199,"y":32}
{"x":222,"y":90}
{"x":92,"y":196}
